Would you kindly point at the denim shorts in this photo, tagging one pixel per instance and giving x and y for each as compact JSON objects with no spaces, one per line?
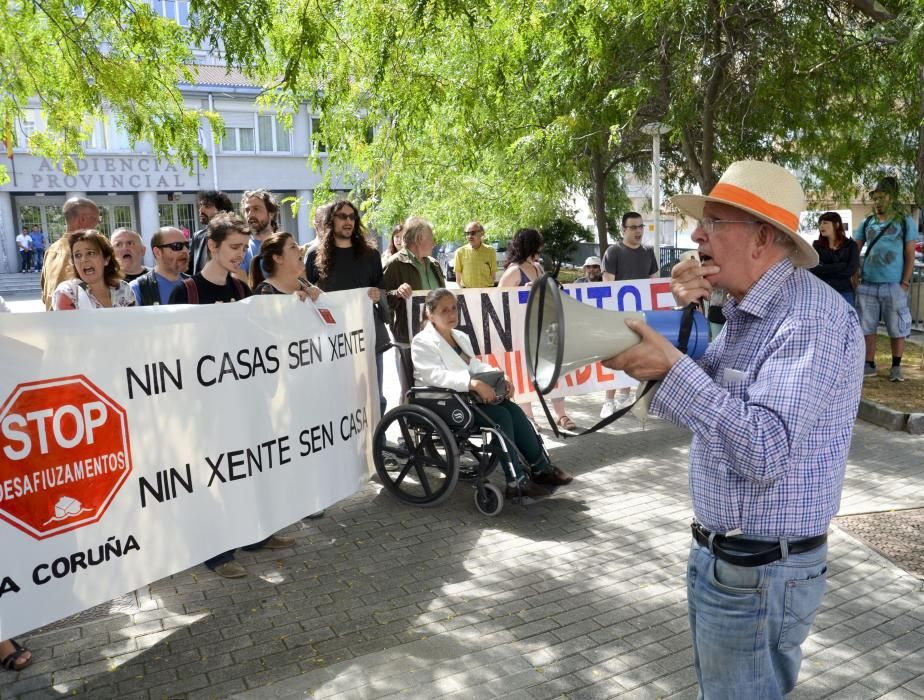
{"x":886,"y":302}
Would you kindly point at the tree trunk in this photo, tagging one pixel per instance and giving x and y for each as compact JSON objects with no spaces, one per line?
{"x":598,"y":198}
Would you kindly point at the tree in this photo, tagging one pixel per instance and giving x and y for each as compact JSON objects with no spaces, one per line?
{"x":560,"y":240}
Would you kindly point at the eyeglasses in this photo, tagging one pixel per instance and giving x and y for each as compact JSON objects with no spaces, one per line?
{"x":175,"y":247}
{"x":473,"y":233}
{"x":709,"y":224}
{"x":637,"y":227}
{"x":345,"y":217}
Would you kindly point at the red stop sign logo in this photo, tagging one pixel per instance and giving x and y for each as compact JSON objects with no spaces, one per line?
{"x":64,"y":454}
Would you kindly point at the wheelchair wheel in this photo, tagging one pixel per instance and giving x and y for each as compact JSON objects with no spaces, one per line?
{"x":490,"y":501}
{"x":470,"y":456}
{"x":415,"y":456}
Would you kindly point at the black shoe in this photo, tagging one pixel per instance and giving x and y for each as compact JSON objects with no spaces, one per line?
{"x":526,"y":489}
{"x":553,"y":476}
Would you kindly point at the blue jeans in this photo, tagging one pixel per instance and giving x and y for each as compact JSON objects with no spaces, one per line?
{"x":748,"y":623}
{"x":850,"y":298}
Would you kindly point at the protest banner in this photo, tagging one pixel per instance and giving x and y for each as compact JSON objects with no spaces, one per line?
{"x":135,"y":443}
{"x":494,"y":320}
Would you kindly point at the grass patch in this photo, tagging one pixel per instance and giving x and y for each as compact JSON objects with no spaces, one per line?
{"x":907,"y":396}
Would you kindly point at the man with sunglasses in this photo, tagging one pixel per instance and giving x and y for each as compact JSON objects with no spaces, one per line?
{"x":171,"y":258}
{"x":475,"y":264}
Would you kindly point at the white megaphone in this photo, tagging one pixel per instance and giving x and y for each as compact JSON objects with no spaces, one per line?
{"x":563,"y":334}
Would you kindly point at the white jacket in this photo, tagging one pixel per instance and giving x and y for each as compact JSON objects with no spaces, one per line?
{"x":437,"y":364}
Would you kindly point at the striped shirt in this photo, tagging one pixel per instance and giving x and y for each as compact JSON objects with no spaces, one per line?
{"x":771,"y":405}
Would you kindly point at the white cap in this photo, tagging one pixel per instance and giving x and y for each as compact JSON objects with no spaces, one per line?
{"x":592,"y":260}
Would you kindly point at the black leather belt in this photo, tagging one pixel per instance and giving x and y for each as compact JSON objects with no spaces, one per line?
{"x":744,"y":552}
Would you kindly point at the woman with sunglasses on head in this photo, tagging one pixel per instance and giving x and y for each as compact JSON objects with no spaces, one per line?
{"x":839,"y":256}
{"x":171,"y":259}
{"x":278,"y":269}
{"x":96,"y":278}
{"x":522,"y":269}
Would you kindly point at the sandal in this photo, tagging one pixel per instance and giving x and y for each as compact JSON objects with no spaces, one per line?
{"x":565,"y":423}
{"x":9,"y":661}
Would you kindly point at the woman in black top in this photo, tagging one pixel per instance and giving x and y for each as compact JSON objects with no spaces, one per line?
{"x":278,"y":268}
{"x":227,"y":238}
{"x":838,"y":255}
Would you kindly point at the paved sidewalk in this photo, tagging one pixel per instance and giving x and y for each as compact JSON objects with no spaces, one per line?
{"x":579,"y":596}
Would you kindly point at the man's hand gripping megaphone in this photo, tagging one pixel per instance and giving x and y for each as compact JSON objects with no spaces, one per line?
{"x":654,"y":356}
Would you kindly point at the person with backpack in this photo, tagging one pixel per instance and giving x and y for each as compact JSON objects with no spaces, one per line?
{"x":171,"y":258}
{"x":885,"y":275}
{"x":227,"y":240}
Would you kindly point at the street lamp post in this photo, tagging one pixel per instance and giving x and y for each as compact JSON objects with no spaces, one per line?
{"x":655,"y":129}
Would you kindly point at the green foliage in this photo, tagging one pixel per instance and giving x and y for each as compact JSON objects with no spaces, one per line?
{"x":560,"y":240}
{"x":500,"y":110}
{"x":73,"y":60}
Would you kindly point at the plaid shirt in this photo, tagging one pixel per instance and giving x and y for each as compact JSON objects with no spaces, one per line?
{"x":771,"y":405}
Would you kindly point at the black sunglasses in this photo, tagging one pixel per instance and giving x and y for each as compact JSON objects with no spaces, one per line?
{"x":175,"y":247}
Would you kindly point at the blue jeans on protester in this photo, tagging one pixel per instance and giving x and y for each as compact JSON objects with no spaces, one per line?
{"x":748,"y":623}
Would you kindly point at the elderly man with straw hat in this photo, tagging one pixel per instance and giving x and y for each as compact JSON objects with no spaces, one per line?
{"x":771,"y":406}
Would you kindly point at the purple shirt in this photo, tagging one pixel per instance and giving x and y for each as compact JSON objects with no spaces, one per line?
{"x":771,"y":405}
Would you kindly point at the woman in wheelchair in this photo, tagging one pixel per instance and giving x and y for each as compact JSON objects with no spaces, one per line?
{"x":443,"y":357}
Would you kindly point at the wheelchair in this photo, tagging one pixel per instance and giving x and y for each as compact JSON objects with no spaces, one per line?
{"x":422,"y":449}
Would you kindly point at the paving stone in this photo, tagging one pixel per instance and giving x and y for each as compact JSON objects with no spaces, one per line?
{"x":579,"y":596}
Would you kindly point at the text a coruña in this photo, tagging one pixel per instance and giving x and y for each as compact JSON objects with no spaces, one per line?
{"x":244,"y":363}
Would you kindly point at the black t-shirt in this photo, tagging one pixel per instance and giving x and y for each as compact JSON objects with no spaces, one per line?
{"x":212,"y":293}
{"x":350,"y":272}
{"x":347,"y":271}
{"x":266,"y":288}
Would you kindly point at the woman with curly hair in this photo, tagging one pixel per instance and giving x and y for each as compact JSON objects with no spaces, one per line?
{"x":522,"y":269}
{"x":96,"y":278}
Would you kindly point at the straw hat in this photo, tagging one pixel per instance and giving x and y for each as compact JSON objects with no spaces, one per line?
{"x":766,"y":191}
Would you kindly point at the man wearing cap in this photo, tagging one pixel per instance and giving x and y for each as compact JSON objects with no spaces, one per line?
{"x":475,"y":264}
{"x":771,"y":406}
{"x":886,"y":275}
{"x":593,"y":271}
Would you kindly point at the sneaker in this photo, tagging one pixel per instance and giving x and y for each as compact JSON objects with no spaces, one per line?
{"x":527,"y":489}
{"x":553,"y":476}
{"x":895,"y":375}
{"x":231,"y":569}
{"x":278,"y":542}
{"x":869,"y":371}
{"x":607,"y":409}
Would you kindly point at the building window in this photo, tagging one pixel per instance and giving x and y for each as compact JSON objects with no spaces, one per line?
{"x":181,"y":215}
{"x":25,"y":127}
{"x":98,"y":140}
{"x":316,"y":137}
{"x":273,"y":134}
{"x":239,"y":132}
{"x":177,"y":10}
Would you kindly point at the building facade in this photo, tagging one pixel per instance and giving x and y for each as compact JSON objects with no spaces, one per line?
{"x":133,"y":188}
